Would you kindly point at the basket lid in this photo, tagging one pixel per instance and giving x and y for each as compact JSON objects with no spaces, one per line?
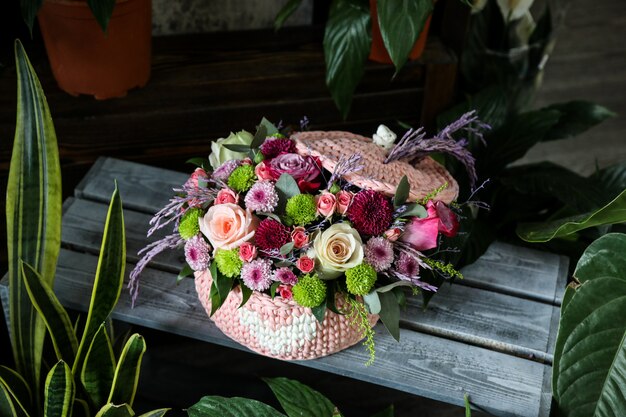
{"x":423,"y":176}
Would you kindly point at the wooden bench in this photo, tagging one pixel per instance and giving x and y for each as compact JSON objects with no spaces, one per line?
{"x":490,"y":336}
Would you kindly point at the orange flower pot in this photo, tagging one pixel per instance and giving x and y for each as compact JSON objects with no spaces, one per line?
{"x":378,"y":53}
{"x":85,"y":60}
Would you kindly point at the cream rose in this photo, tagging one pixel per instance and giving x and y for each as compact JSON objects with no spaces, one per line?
{"x":220,"y":154}
{"x":227,"y":225}
{"x":338,"y":249}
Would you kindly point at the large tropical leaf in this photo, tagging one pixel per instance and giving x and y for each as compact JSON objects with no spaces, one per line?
{"x":99,"y":368}
{"x":102,"y":11}
{"x":612,"y":178}
{"x":59,"y":391}
{"x":33,"y":213}
{"x":111,"y":410}
{"x":107,"y":285}
{"x":576,"y":117}
{"x":612,"y":213}
{"x":401,"y":22}
{"x":605,"y":257}
{"x":126,"y":375}
{"x":52,"y":313}
{"x":347,"y":41}
{"x":215,"y":406}
{"x":298,"y":399}
{"x":591,"y":372}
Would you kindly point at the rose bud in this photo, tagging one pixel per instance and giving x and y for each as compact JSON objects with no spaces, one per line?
{"x":344,"y":198}
{"x":326,"y":204}
{"x":305,"y":264}
{"x":226,"y":195}
{"x":247,"y":251}
{"x":299,"y":237}
{"x":393,"y":234}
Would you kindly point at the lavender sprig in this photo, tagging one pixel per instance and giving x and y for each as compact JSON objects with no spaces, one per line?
{"x":414,"y":280}
{"x":172,"y":241}
{"x":346,"y":166}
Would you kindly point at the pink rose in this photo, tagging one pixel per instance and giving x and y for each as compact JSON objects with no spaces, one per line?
{"x":344,"y":198}
{"x":448,"y":221}
{"x":247,"y":251}
{"x":393,"y":234}
{"x":198,"y":174}
{"x":227,"y":225}
{"x":305,"y":264}
{"x":285,"y":291}
{"x":299,"y":237}
{"x":422,"y":233}
{"x":304,"y":169}
{"x":326,"y":203}
{"x":226,"y":196}
{"x":263,"y":172}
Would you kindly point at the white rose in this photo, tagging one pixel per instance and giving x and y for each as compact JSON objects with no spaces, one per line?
{"x":220,"y":154}
{"x":384,"y":137}
{"x":338,"y":249}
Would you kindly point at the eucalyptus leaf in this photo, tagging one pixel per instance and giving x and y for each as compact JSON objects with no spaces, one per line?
{"x":319,"y":311}
{"x":185,"y":272}
{"x":288,"y":9}
{"x":299,"y":400}
{"x":416,"y":210}
{"x":215,"y":406}
{"x":286,"y":248}
{"x":605,"y":257}
{"x":237,"y":148}
{"x":372,"y":301}
{"x":402,"y":192}
{"x":270,"y":215}
{"x":390,"y":313}
{"x":576,"y":117}
{"x":286,"y":187}
{"x":259,"y":137}
{"x":269,"y":126}
{"x":395,"y":284}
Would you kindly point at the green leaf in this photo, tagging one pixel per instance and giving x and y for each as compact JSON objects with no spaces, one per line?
{"x":99,"y":368}
{"x":284,"y":13}
{"x":286,"y":248}
{"x":612,"y":213}
{"x":109,"y":278}
{"x":612,"y":178}
{"x":52,"y":313}
{"x":300,"y":400}
{"x":390,"y":313}
{"x":286,"y":187}
{"x":111,"y":410}
{"x":245,"y":294}
{"x":415,"y":209}
{"x":259,"y":137}
{"x":269,"y":126}
{"x":102,"y":11}
{"x":33,"y":214}
{"x":387,"y":412}
{"x":237,"y":148}
{"x":603,"y":258}
{"x":214,"y":296}
{"x":395,"y":284}
{"x":591,"y":372}
{"x":30,"y":8}
{"x":468,"y":406}
{"x":156,"y":413}
{"x":59,"y":391}
{"x":185,"y":272}
{"x":319,"y":311}
{"x":570,"y":291}
{"x":401,"y":23}
{"x":17,"y":386}
{"x":215,"y":406}
{"x":126,"y":375}
{"x":347,"y":40}
{"x":80,"y":408}
{"x":273,"y":288}
{"x":372,"y":301}
{"x":7,"y":407}
{"x":402,"y":192}
{"x":199,"y":162}
{"x":576,"y":118}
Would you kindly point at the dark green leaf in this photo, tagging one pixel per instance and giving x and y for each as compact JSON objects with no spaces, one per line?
{"x":393,"y":285}
{"x":111,"y":410}
{"x":299,"y":400}
{"x":372,"y":301}
{"x":270,"y":215}
{"x":402,"y":192}
{"x":216,"y":301}
{"x":390,"y":313}
{"x":415,"y":209}
{"x":156,"y":413}
{"x":605,"y":257}
{"x":273,"y":289}
{"x":319,"y":311}
{"x":612,"y":178}
{"x":286,"y":187}
{"x":286,"y":248}
{"x":387,"y":412}
{"x":570,"y":291}
{"x":269,"y":126}
{"x":126,"y":375}
{"x":347,"y":41}
{"x":10,"y":403}
{"x":490,"y":105}
{"x":284,"y":13}
{"x":17,"y":386}
{"x":245,"y":294}
{"x":99,"y":368}
{"x":576,"y":117}
{"x":612,"y":213}
{"x":237,"y":148}
{"x":543,"y":29}
{"x":231,"y":407}
{"x":401,"y":23}
{"x":80,"y":408}
{"x":102,"y":11}
{"x":185,"y":272}
{"x":468,"y":407}
{"x":259,"y":137}
{"x":199,"y":162}
{"x":59,"y":391}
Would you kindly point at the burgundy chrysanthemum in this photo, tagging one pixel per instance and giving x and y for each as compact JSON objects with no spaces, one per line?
{"x":271,"y":234}
{"x":275,"y":146}
{"x":371,"y":212}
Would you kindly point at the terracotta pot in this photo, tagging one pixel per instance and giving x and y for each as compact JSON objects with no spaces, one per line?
{"x":85,"y":60}
{"x":378,"y":53}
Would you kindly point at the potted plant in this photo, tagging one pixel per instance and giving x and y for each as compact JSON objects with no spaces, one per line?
{"x":96,"y":47}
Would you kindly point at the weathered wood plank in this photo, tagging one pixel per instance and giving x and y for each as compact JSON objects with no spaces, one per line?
{"x":485,"y":318}
{"x":421,"y":364}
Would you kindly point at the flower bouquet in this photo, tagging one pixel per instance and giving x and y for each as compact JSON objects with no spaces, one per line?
{"x":300,"y":242}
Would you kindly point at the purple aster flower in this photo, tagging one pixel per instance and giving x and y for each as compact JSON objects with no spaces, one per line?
{"x":223,"y":172}
{"x":285,"y":275}
{"x":407,"y":265}
{"x":197,"y":253}
{"x":379,"y":253}
{"x":262,"y":197}
{"x":257,"y":274}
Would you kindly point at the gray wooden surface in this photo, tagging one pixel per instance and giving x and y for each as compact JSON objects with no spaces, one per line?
{"x":490,"y":335}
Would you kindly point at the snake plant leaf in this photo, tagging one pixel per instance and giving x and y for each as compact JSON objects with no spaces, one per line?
{"x":33,"y":215}
{"x":284,"y":13}
{"x":99,"y":368}
{"x":603,"y":258}
{"x":401,"y":22}
{"x":111,"y":410}
{"x":156,"y":413}
{"x":126,"y":375}
{"x":109,"y":277}
{"x":81,"y":408}
{"x":7,"y":407}
{"x":215,"y":406}
{"x":612,"y":213}
{"x":59,"y":391}
{"x":591,"y":372}
{"x":52,"y":313}
{"x":102,"y":11}
{"x":347,"y":40}
{"x":298,"y":399}
{"x":17,"y":385}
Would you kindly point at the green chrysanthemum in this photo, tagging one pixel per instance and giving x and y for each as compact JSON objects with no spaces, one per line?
{"x":301,"y":209}
{"x":228,"y":262}
{"x":360,"y":279}
{"x":242,"y":178}
{"x":189,"y":226}
{"x":310,"y":291}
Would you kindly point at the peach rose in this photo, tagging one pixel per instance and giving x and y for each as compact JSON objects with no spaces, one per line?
{"x":344,"y":198}
{"x":393,"y":234}
{"x":263,"y":172}
{"x":227,"y":225}
{"x":326,"y":203}
{"x":305,"y":264}
{"x":299,"y":237}
{"x":247,"y":251}
{"x":226,"y":195}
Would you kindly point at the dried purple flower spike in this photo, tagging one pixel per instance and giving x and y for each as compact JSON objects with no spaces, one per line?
{"x":346,"y":166}
{"x":414,"y":143}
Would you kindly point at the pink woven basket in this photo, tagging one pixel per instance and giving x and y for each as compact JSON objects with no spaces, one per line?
{"x":279,"y":328}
